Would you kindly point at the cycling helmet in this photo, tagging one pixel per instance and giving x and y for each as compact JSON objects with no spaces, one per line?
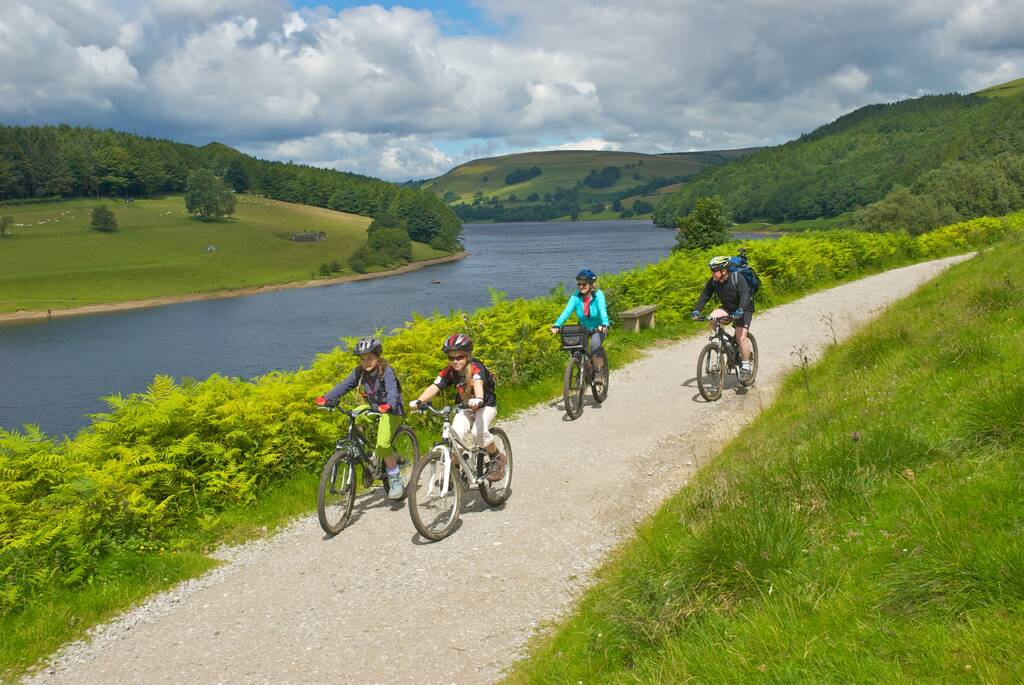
{"x":457,"y":342}
{"x":368,"y":345}
{"x":718,"y":262}
{"x":586,"y":275}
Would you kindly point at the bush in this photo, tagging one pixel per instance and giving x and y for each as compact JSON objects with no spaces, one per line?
{"x":705,"y":226}
{"x":103,"y":219}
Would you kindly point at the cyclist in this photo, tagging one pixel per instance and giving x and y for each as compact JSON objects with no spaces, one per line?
{"x":477,"y":405}
{"x":590,"y":308}
{"x":381,"y":391}
{"x":733,"y":294}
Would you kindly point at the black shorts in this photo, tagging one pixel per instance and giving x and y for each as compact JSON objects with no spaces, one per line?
{"x":748,"y":316}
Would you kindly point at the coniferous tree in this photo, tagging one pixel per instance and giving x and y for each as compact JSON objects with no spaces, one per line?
{"x":103,"y":219}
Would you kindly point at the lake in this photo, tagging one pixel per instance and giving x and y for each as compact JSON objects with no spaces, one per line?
{"x":53,"y":373}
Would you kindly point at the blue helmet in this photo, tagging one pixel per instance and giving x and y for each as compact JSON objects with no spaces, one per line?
{"x":586,"y":275}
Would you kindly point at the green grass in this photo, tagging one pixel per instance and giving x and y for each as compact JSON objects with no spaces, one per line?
{"x":819,"y":224}
{"x":54,"y":260}
{"x":1008,"y":89}
{"x":560,"y":169}
{"x":867,"y":527}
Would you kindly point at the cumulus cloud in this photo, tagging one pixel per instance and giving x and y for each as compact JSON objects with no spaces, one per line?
{"x":385,"y":91}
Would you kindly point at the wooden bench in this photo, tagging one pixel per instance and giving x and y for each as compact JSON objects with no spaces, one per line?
{"x":638,"y":317}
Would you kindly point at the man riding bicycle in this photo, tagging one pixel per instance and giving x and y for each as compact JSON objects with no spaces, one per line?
{"x":733,"y":294}
{"x":590,"y":308}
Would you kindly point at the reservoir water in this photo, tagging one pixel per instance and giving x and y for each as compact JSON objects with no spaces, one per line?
{"x":54,"y":373}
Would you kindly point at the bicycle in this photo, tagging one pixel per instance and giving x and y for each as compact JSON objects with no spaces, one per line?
{"x":720,"y":357}
{"x":435,"y":489}
{"x":337,"y":491}
{"x":580,"y":370}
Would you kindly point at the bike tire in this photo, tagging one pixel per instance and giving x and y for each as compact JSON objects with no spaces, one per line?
{"x":496,"y":493}
{"x":406,"y":447}
{"x":333,"y":503}
{"x":601,"y":396}
{"x":572,"y":387}
{"x":711,"y":372}
{"x":749,"y":381}
{"x":433,"y":516}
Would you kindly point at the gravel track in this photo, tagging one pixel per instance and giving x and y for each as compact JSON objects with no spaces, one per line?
{"x":377,"y":605}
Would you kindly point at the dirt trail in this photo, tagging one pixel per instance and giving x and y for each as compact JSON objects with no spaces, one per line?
{"x":375,"y":605}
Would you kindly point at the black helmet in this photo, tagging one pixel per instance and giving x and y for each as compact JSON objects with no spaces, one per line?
{"x":368,"y":345}
{"x":457,"y":342}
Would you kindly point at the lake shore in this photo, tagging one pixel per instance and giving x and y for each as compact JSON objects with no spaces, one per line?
{"x":35,"y":315}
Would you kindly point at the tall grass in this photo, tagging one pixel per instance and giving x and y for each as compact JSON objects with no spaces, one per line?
{"x":872,"y":531}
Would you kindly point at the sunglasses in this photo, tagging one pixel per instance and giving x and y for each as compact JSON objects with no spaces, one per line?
{"x":457,"y":358}
{"x":579,"y":283}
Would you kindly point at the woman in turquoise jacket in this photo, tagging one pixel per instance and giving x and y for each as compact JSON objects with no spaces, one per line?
{"x":589,"y":306}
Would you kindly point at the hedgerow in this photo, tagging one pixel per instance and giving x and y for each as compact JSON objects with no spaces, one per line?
{"x":165,"y":462}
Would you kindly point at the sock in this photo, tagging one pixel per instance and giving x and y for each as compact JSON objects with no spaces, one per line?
{"x":393,"y":470}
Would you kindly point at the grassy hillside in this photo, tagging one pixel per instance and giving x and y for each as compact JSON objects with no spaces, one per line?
{"x":857,"y":159}
{"x":52,"y":259}
{"x":867,"y":527}
{"x":1010,"y":88}
{"x":560,"y":186}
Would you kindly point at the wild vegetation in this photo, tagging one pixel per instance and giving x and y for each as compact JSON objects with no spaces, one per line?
{"x":51,"y":162}
{"x":859,"y":158}
{"x":164,"y":473}
{"x":52,"y":259}
{"x":865,"y":528}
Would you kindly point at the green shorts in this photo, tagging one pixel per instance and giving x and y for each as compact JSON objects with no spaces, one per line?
{"x":387,"y":425}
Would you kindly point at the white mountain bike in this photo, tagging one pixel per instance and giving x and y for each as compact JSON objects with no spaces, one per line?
{"x":439,"y":479}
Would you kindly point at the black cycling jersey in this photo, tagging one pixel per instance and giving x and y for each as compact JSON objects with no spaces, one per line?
{"x":448,"y":377}
{"x":733,"y":294}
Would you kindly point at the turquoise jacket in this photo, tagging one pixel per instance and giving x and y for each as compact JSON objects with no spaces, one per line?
{"x":598,"y":311}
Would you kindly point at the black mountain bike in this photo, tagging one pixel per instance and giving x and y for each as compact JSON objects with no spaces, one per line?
{"x":721,"y":357}
{"x":580,"y":370}
{"x":337,"y":491}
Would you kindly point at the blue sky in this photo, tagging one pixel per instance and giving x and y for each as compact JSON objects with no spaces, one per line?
{"x":410,"y":90}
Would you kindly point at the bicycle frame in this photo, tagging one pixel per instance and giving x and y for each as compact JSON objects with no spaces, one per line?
{"x":730,"y":346}
{"x":450,"y":440}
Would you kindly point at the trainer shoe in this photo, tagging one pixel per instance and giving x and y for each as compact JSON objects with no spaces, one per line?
{"x":395,"y":487}
{"x":497,"y":468}
{"x":745,"y":369}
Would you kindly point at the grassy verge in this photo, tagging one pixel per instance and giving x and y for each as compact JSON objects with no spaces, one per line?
{"x":53,"y":259}
{"x":868,"y":526}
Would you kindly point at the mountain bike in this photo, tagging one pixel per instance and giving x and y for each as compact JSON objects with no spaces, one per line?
{"x":450,"y":469}
{"x":337,"y":491}
{"x":720,"y":357}
{"x":580,"y":370}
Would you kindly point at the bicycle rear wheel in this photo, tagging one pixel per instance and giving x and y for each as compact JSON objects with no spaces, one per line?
{"x":407,"y":451}
{"x":497,"y":492}
{"x":572,"y":387}
{"x":711,"y":372}
{"x":337,"y":493}
{"x":602,"y":373}
{"x":749,"y":380}
{"x":434,"y":501}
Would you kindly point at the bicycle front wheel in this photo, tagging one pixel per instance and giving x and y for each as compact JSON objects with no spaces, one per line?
{"x":711,"y":372}
{"x":496,"y":492}
{"x":434,"y":499}
{"x":337,"y":493}
{"x":748,"y":381}
{"x":600,"y":390}
{"x":572,"y":387}
{"x":407,"y":451}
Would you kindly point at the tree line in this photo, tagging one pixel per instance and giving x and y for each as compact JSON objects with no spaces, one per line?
{"x":65,"y":161}
{"x":858,"y":159}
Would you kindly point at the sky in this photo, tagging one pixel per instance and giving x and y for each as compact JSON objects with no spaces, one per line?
{"x":408,"y":91}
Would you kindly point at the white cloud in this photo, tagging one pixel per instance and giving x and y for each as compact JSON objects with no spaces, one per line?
{"x":378,"y":90}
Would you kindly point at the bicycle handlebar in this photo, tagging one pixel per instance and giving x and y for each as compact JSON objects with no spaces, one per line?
{"x":426,"y":407}
{"x":351,"y":412}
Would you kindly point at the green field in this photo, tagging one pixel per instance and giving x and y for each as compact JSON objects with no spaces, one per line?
{"x":1004,"y":89}
{"x":867,"y":527}
{"x":561,"y":168}
{"x":52,"y":259}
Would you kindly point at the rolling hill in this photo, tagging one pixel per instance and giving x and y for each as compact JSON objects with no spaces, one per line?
{"x":555,"y":183}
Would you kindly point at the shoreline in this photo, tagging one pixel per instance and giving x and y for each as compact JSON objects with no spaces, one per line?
{"x":105,"y":307}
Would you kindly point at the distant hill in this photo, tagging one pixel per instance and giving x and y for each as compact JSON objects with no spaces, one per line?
{"x":860,"y":157}
{"x":52,"y":162}
{"x":556,"y":183}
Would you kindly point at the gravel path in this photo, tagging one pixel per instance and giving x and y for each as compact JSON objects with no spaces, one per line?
{"x":376,"y":605}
